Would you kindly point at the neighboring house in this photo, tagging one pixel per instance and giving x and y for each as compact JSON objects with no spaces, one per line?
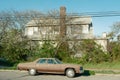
{"x":103,"y":41}
{"x":76,"y":29}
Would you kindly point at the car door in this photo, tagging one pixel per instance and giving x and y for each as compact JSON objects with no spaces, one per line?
{"x":42,"y":65}
{"x":53,"y":66}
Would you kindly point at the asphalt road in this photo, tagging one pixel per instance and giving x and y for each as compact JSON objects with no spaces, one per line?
{"x":20,"y":75}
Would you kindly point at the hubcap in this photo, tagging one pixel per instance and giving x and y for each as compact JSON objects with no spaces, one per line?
{"x":70,"y":73}
{"x":32,"y":72}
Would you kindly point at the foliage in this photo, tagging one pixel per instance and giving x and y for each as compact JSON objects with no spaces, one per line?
{"x":115,"y":31}
{"x":92,"y":52}
{"x":88,"y":72}
{"x":63,"y":52}
{"x":46,"y":50}
{"x":114,"y":44}
{"x":14,"y":47}
{"x":4,"y":62}
{"x":116,"y":28}
{"x":114,"y":50}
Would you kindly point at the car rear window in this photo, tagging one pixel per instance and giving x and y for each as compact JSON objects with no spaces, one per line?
{"x":50,"y":61}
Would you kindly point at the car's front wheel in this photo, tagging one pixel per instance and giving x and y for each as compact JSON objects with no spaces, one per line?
{"x":32,"y":72}
{"x":70,"y":73}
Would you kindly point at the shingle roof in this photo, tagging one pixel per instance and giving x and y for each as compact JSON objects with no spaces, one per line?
{"x":51,"y":21}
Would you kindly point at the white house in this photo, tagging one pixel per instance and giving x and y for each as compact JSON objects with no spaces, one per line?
{"x":76,"y":29}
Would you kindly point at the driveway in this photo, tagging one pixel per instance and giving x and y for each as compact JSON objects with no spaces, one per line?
{"x":20,"y":75}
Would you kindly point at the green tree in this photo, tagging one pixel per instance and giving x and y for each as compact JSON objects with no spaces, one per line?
{"x":114,"y":45}
{"x":114,"y":50}
{"x":15,"y":48}
{"x":47,"y":50}
{"x":92,"y":52}
{"x":13,"y":44}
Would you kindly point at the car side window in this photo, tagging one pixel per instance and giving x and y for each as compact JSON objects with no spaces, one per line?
{"x":50,"y":61}
{"x":42,"y":61}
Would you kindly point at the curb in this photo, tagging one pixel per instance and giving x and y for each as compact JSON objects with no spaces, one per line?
{"x":7,"y":70}
{"x":107,"y":74}
{"x":114,"y":70}
{"x":2,"y":70}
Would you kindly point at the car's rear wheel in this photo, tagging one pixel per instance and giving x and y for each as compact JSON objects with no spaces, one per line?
{"x":32,"y":72}
{"x":70,"y":73}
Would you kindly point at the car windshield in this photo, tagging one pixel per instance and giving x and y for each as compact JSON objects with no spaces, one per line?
{"x":58,"y":61}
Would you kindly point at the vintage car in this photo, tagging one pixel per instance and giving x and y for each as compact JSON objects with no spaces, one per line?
{"x":50,"y":65}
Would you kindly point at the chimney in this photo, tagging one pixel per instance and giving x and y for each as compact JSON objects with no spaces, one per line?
{"x":62,"y":22}
{"x":104,"y":35}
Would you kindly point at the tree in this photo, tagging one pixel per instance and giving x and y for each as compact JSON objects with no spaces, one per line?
{"x":114,"y":50}
{"x":115,"y":30}
{"x":92,"y":52}
{"x":13,"y":45}
{"x":114,"y":45}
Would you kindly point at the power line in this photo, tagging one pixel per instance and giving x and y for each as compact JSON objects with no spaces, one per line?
{"x":73,"y":15}
{"x":97,"y":14}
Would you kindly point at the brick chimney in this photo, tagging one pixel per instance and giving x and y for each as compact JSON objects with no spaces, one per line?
{"x":62,"y":22}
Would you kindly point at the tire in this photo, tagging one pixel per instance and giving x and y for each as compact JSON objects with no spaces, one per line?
{"x":32,"y":72}
{"x":70,"y":73}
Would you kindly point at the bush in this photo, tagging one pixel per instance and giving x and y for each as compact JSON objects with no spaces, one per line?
{"x":114,"y":51}
{"x":4,"y":62}
{"x":92,"y":52}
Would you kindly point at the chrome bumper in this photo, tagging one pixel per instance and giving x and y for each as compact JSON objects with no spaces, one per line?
{"x":81,"y":70}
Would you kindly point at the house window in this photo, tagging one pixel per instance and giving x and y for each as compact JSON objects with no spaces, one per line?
{"x":76,"y":29}
{"x":30,"y":30}
{"x":35,"y":30}
{"x":85,"y":29}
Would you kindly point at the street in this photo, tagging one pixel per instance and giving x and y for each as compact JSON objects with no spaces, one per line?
{"x":22,"y":75}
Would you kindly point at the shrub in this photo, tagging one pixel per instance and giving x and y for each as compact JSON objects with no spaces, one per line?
{"x":93,"y":53}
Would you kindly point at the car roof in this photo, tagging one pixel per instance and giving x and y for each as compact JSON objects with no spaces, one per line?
{"x":47,"y":58}
{"x":43,"y":58}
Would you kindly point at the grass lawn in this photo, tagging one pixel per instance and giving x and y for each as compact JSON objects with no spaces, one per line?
{"x":106,"y":67}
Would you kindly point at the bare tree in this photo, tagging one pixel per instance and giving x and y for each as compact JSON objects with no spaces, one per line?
{"x":115,"y":30}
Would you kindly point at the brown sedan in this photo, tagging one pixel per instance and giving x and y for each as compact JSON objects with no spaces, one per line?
{"x":50,"y":65}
